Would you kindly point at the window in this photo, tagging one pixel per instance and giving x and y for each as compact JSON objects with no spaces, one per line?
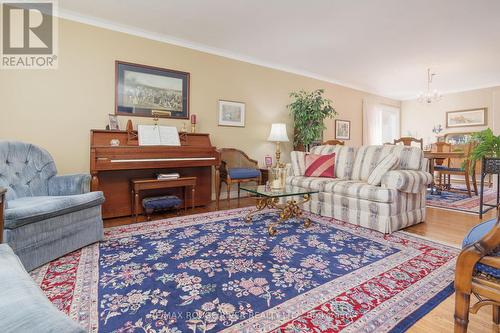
{"x":381,"y":123}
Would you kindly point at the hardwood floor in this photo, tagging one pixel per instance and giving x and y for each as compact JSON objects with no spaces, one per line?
{"x":440,"y":225}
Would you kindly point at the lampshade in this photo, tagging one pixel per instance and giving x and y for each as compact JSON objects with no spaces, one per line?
{"x":278,"y":133}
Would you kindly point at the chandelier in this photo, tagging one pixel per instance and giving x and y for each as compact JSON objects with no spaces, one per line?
{"x":429,"y":96}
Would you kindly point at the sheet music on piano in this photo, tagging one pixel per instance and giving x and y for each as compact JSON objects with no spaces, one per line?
{"x":154,"y":135}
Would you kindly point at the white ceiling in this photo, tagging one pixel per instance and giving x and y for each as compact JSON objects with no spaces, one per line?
{"x":380,"y":46}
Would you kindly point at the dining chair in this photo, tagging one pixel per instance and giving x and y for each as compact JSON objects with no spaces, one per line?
{"x":334,"y":142}
{"x":442,"y":147}
{"x":236,"y":168}
{"x":408,"y":140}
{"x":478,"y":273}
{"x":467,"y":170}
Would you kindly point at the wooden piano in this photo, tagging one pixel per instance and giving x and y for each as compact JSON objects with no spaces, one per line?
{"x":112,"y":167}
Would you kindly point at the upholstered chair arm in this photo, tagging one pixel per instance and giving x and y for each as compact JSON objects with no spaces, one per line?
{"x":408,"y":181}
{"x":472,"y":254}
{"x":2,"y":207}
{"x":69,"y":184}
{"x":298,"y":163}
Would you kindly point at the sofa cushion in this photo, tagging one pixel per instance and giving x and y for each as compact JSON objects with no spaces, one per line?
{"x":298,"y":159}
{"x":390,"y":162}
{"x":320,"y":165}
{"x":368,"y":157}
{"x":163,"y":202}
{"x":243,"y":173}
{"x":27,"y":210}
{"x":445,"y":168}
{"x":23,"y":306}
{"x":344,"y":158}
{"x":475,"y":234}
{"x":361,"y":190}
{"x":310,"y":183}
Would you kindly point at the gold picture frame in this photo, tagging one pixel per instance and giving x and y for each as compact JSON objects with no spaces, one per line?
{"x":342,"y":129}
{"x":467,"y":118}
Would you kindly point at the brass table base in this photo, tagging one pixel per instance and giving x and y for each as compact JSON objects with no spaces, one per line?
{"x":287,"y":211}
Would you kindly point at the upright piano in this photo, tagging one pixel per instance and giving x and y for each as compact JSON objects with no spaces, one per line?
{"x":113,"y":166}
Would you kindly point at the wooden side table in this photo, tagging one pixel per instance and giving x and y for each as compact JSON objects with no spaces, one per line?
{"x":2,"y":204}
{"x":264,"y":175}
{"x":139,"y":185}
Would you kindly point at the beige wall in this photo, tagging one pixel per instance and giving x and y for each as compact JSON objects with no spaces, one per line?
{"x":57,"y":108}
{"x":496,"y":110}
{"x":418,"y":119}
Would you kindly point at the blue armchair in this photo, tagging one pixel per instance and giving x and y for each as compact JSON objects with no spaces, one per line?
{"x":478,"y":272}
{"x":45,"y":215}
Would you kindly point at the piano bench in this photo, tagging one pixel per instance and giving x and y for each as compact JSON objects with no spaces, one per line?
{"x":155,"y":204}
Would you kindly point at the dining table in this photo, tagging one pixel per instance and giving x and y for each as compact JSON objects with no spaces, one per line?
{"x":437,"y":158}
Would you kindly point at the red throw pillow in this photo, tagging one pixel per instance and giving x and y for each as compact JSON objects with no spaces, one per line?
{"x":320,"y":165}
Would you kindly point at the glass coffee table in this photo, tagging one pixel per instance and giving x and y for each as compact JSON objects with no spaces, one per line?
{"x":268,"y":198}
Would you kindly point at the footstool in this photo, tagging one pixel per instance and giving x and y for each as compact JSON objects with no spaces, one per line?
{"x":155,"y":204}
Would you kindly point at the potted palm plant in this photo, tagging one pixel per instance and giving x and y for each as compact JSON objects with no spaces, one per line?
{"x":487,"y":145}
{"x":309,"y":110}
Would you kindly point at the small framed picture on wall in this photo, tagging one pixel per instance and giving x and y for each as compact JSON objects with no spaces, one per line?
{"x":231,"y":113}
{"x":342,"y":129}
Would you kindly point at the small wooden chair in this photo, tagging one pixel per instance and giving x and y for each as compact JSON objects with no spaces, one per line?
{"x":442,"y":147}
{"x":236,"y":168}
{"x":408,"y":140}
{"x":466,"y":172}
{"x":334,"y":142}
{"x":478,"y":272}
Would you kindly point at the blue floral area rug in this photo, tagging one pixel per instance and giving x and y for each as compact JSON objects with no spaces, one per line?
{"x":216,"y":273}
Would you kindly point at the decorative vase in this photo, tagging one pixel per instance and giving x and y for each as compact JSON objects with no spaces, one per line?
{"x":278,"y":178}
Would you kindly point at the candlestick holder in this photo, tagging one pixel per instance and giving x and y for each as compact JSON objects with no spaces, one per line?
{"x":193,"y":128}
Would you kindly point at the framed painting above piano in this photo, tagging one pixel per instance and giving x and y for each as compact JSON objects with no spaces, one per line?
{"x":112,"y":167}
{"x":147,"y":91}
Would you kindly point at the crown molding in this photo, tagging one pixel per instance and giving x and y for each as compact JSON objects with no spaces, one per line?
{"x":130,"y":30}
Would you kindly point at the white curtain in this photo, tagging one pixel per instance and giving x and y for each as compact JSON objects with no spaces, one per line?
{"x":381,"y":123}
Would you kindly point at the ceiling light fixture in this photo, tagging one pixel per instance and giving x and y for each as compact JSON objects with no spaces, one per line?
{"x":430,"y":96}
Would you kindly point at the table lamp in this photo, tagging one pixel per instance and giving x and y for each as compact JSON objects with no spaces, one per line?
{"x":278,"y":134}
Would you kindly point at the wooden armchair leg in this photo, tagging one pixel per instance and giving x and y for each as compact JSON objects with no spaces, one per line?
{"x":496,"y":314}
{"x":462,"y":302}
{"x":218,"y":193}
{"x":474,"y":182}
{"x":239,"y":186}
{"x":467,"y":183}
{"x":228,"y":187}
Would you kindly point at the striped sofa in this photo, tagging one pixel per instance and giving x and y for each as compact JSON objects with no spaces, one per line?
{"x":398,"y":202}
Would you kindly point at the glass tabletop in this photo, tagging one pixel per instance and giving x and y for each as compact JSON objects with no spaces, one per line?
{"x":265,"y":191}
